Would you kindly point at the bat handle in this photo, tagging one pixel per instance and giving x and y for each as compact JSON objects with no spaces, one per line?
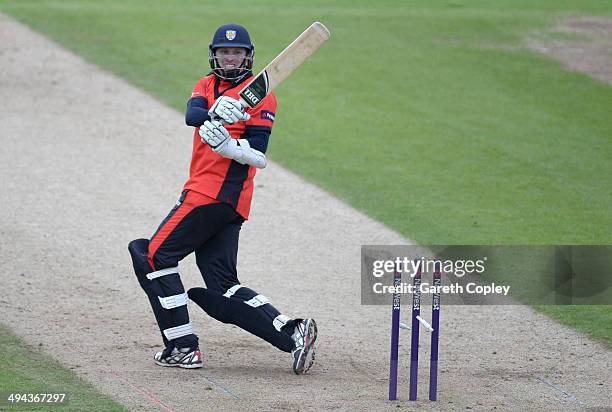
{"x":245,"y":104}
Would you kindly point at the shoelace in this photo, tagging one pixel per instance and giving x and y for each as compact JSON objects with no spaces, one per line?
{"x":299,"y":334}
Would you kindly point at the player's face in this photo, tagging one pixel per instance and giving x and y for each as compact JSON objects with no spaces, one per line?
{"x":230,"y":58}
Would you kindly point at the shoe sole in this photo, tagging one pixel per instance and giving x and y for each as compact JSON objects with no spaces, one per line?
{"x":307,"y":356}
{"x":178,"y":365}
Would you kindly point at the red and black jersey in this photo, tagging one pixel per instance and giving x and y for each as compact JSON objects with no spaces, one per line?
{"x":214,"y":175}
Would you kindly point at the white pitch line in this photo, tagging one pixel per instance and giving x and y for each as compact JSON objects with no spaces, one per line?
{"x":565,"y":393}
{"x":223,"y":388}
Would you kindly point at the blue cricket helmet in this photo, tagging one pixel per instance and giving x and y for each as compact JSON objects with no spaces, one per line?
{"x":231,"y":35}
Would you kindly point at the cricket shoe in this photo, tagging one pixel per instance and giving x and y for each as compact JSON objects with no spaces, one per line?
{"x":183,"y":358}
{"x":304,"y":336}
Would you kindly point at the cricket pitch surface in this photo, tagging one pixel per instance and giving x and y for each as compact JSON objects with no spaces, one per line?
{"x":89,"y":163}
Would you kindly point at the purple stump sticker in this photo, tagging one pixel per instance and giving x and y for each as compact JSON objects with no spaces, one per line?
{"x":435,"y":335}
{"x":395,"y":320}
{"x":414,"y":347}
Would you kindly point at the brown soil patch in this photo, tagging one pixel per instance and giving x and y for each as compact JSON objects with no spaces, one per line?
{"x":590,"y":54}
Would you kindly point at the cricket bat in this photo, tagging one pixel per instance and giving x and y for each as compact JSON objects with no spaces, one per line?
{"x":284,"y":64}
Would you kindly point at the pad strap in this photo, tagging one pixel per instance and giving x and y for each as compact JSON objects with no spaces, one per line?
{"x":280,"y":321}
{"x":178,"y":331}
{"x":162,"y":272}
{"x":257,"y":301}
{"x":230,"y":292}
{"x":173,"y":301}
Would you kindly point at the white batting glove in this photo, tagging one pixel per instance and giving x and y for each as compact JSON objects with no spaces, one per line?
{"x":213,"y":133}
{"x":229,"y":110}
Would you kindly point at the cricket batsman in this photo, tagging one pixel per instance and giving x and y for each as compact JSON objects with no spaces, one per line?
{"x":229,"y":145}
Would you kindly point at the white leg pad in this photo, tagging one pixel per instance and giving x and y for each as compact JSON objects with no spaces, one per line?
{"x":178,"y":331}
{"x":174,"y":301}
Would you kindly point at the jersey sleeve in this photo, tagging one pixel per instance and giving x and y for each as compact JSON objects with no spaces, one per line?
{"x":199,"y":89}
{"x":197,"y":111}
{"x":264,"y":114}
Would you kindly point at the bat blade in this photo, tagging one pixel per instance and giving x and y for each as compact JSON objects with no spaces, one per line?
{"x":285,"y":63}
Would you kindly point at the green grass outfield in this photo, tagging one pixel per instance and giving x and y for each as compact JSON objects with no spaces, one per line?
{"x":25,"y":370}
{"x":428,"y":116}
